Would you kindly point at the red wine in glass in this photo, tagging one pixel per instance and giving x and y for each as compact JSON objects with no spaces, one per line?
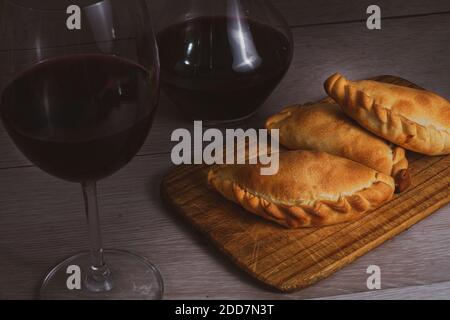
{"x":80,"y":117}
{"x":221,"y":69}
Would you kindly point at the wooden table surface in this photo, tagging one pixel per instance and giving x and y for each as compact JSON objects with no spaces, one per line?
{"x":42,"y":219}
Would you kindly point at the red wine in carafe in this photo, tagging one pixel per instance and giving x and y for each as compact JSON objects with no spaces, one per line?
{"x":222,"y":69}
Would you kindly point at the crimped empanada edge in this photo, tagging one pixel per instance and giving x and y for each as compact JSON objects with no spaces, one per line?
{"x":274,"y":120}
{"x":385,"y":123}
{"x":320,"y":213}
{"x":400,"y":171}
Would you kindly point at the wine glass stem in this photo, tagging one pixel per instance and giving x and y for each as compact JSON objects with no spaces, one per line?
{"x":99,"y":276}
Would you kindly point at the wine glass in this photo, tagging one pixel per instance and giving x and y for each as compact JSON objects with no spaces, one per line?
{"x":221,"y":59}
{"x":82,"y":89}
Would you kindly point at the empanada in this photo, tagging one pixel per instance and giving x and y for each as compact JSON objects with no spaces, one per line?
{"x":325,"y":127}
{"x":417,"y":120}
{"x":310,"y":189}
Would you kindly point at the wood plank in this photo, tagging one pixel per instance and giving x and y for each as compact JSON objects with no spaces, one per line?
{"x":329,"y":11}
{"x":42,"y":222}
{"x":326,"y":11}
{"x":289,"y":260}
{"x":436,"y":291}
{"x":414,"y":48}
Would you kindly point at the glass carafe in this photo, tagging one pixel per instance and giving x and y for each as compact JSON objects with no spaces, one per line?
{"x":221,"y":59}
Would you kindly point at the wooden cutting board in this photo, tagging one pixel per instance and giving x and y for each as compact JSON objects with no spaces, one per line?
{"x":289,"y":260}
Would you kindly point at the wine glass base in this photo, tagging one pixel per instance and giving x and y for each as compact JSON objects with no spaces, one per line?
{"x":132,"y":277}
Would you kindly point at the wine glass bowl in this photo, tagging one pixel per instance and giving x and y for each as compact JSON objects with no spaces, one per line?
{"x":221,"y":59}
{"x":79,"y":104}
{"x":87,"y":115}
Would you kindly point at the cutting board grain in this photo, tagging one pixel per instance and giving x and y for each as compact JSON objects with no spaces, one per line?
{"x":288,"y":260}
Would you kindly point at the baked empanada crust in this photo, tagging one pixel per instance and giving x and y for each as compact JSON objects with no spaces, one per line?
{"x":417,"y":120}
{"x":310,"y":189}
{"x":325,"y":127}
